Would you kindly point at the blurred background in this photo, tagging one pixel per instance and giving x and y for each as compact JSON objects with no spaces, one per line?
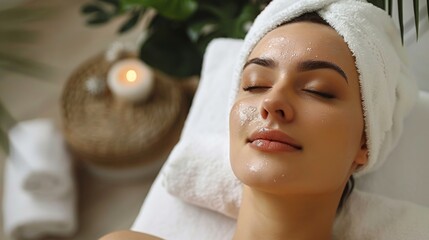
{"x":50,"y":52}
{"x":62,"y":41}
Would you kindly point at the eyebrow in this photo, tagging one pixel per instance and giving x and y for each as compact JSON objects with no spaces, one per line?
{"x":265,"y":62}
{"x":312,"y":65}
{"x":302,"y":66}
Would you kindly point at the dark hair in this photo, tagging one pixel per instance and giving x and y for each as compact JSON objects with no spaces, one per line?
{"x":315,"y":18}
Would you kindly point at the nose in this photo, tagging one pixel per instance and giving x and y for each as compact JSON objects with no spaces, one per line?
{"x":276,"y":107}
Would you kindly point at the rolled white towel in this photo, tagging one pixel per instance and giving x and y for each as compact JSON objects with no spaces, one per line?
{"x":29,"y":217}
{"x":39,"y":153}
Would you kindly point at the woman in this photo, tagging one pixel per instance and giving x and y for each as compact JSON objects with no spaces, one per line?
{"x":322,"y":91}
{"x":297,"y":131}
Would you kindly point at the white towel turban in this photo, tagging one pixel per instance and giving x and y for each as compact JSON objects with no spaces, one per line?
{"x":388,"y":88}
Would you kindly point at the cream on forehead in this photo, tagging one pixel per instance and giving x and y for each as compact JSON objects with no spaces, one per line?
{"x":276,"y":43}
{"x":286,"y":44}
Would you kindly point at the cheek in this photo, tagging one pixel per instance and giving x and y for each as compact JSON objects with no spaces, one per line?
{"x":243,"y":116}
{"x":248,"y":166}
{"x":333,"y":136}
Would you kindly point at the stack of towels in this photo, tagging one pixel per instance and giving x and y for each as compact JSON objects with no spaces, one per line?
{"x":39,"y":197}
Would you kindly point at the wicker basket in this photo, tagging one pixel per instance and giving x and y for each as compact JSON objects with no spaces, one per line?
{"x":103,"y":133}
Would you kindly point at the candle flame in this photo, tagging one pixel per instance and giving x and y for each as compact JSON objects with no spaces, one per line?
{"x":131,"y":75}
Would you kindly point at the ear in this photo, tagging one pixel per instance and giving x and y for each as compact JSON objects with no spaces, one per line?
{"x":361,"y":158}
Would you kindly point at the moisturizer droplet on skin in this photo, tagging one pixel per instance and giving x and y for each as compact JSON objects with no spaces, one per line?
{"x":247,"y":113}
{"x":255,"y":167}
{"x":275,"y":44}
{"x":277,"y":41}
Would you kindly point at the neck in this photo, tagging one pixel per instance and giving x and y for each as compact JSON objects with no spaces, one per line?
{"x":267,"y":216}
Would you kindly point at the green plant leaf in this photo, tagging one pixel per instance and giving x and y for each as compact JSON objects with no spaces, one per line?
{"x":99,"y":18}
{"x":172,"y":9}
{"x":24,"y":15}
{"x":4,"y":142}
{"x":217,"y":12}
{"x":247,"y":15}
{"x":171,"y":51}
{"x":91,"y":8}
{"x":201,"y":28}
{"x":16,"y":36}
{"x":23,"y":66}
{"x":379,"y":3}
{"x":401,"y":19}
{"x":115,"y":3}
{"x":132,"y":21}
{"x":390,"y":2}
{"x":6,"y":120}
{"x":416,"y":16}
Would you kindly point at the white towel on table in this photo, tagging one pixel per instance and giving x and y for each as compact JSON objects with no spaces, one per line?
{"x":198,"y":168}
{"x":39,"y":194}
{"x":39,"y":152}
{"x":372,"y":217}
{"x":29,"y":217}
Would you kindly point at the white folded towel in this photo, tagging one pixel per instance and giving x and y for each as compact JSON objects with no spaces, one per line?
{"x":39,"y":153}
{"x":198,"y":168}
{"x":29,"y":217}
{"x":39,"y":194}
{"x":368,"y":216}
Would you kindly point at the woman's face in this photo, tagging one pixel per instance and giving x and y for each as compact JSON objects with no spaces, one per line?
{"x":297,"y":125}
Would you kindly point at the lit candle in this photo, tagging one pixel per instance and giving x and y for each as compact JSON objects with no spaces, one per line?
{"x":130,"y":80}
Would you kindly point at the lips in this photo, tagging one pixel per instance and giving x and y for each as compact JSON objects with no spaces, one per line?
{"x":271,"y":140}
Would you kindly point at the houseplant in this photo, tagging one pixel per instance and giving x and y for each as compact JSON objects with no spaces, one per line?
{"x":180,"y":32}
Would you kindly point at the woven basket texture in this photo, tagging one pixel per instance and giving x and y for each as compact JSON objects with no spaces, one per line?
{"x":100,"y":130}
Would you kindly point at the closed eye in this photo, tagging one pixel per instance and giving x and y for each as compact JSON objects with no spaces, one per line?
{"x":321,"y":94}
{"x":255,"y":88}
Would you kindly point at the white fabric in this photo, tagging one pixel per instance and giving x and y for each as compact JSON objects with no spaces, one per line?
{"x":364,"y":217}
{"x":169,"y":217}
{"x":405,"y":173}
{"x":29,"y":217}
{"x":39,"y":193}
{"x":198,"y":169}
{"x":380,"y":60}
{"x":39,"y":152}
{"x":370,"y":217}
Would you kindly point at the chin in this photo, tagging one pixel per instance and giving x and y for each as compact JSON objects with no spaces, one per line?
{"x":264,"y":175}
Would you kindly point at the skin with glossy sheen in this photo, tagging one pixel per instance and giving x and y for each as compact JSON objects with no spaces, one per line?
{"x":297,"y":127}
